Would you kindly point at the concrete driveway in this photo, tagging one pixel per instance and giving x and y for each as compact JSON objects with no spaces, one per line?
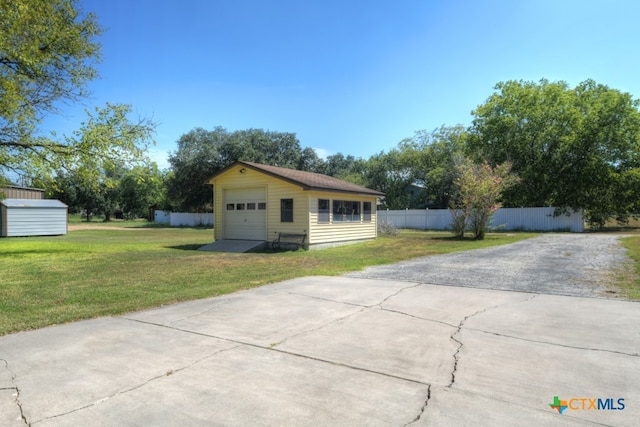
{"x":335,"y":351}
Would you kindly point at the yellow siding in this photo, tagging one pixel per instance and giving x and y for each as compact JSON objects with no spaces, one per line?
{"x":322,"y":233}
{"x":305,"y":208}
{"x":276,"y":189}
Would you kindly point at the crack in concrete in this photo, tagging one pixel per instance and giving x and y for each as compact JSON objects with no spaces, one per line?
{"x":364,"y":307}
{"x":344,"y":365}
{"x":413,"y":316}
{"x":555,"y":344}
{"x":17,"y":391}
{"x":297,"y":334}
{"x":385,"y":299}
{"x":456,"y":355}
{"x":208,"y":310}
{"x":422,"y":409}
{"x":272,"y":348}
{"x":138,"y":386}
{"x":327,"y":299}
{"x":396,"y":294}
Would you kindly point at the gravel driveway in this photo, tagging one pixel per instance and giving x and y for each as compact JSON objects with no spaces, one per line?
{"x":563,"y":264}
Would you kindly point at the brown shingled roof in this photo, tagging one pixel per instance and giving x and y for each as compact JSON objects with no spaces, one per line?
{"x":307,"y":180}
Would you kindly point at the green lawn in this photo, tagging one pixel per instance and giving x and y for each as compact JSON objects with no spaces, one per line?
{"x":631,"y":279}
{"x":90,"y":273}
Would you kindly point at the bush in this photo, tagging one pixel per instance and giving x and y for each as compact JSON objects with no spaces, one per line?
{"x":459,"y":223}
{"x":386,"y":228}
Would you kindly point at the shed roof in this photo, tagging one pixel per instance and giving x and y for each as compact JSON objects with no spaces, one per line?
{"x":306,"y":180}
{"x":32,"y":203}
{"x":19,"y":187}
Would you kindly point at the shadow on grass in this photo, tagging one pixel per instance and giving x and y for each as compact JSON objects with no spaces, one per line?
{"x":455,"y":239}
{"x":277,"y":251}
{"x":19,"y":253}
{"x":191,"y":247}
{"x":165,"y":225}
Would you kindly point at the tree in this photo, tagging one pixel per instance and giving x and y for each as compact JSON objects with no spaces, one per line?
{"x":70,"y":189}
{"x":132,"y":190}
{"x":477,"y":191}
{"x":260,"y":146}
{"x":387,"y":173}
{"x":99,"y":153}
{"x":431,"y":157}
{"x":202,"y":153}
{"x":47,"y":55}
{"x":141,"y":187}
{"x":339,"y":165}
{"x":309,"y":161}
{"x":197,"y":157}
{"x":572,"y":148}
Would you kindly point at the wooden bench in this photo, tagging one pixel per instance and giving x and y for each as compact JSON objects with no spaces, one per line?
{"x":289,"y":239}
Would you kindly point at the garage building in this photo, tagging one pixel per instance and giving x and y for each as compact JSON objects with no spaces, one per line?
{"x":259,"y":202}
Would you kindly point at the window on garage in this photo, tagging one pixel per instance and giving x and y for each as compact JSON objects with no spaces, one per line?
{"x":323,"y":210}
{"x":286,"y":210}
{"x":366,"y":211}
{"x":346,"y":210}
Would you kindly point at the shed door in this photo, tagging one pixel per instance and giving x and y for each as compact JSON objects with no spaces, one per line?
{"x":245,"y":214}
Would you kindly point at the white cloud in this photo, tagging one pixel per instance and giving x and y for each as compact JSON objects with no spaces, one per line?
{"x":322,"y":153}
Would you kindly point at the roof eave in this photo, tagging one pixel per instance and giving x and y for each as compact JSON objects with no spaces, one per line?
{"x":291,"y":181}
{"x":334,"y":190}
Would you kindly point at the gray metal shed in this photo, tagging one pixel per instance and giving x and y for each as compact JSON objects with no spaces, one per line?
{"x":26,"y":217}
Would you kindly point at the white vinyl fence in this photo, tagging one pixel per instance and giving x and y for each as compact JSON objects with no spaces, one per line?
{"x":534,"y":219}
{"x":182,"y":219}
{"x":163,"y":217}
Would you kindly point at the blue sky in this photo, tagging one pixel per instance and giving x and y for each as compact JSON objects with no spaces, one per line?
{"x":354,"y":77}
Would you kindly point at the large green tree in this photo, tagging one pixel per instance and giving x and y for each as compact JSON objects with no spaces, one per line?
{"x":197,"y":157}
{"x":576,"y":148}
{"x":340,"y":166}
{"x":141,"y":187}
{"x":48,"y":52}
{"x":201,"y":153}
{"x":431,"y":158}
{"x":390,"y":174}
{"x":99,"y":154}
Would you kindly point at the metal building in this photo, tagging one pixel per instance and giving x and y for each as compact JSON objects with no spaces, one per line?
{"x":17,"y":192}
{"x":28,"y":217}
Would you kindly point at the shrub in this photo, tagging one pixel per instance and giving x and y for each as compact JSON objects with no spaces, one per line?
{"x":386,"y":228}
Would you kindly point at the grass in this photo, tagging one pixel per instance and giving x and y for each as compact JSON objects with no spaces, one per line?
{"x":91,"y":273}
{"x":629,"y":275}
{"x":630,"y":280}
{"x":98,"y":220}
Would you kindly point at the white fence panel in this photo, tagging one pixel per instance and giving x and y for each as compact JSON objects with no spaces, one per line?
{"x":538,"y":219}
{"x":181,"y":219}
{"x":162,"y":217}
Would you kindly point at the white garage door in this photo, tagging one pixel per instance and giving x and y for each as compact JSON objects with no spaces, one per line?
{"x":245,"y":215}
